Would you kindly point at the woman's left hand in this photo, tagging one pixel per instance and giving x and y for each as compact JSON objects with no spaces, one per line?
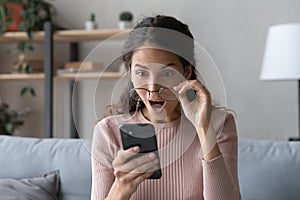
{"x":198,"y":111}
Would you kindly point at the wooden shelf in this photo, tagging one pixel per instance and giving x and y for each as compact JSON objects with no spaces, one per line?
{"x":22,"y":76}
{"x":67,"y":35}
{"x":83,"y":35}
{"x":66,"y":76}
{"x":92,"y":75}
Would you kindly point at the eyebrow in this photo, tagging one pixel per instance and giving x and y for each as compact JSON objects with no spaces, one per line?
{"x":142,"y":66}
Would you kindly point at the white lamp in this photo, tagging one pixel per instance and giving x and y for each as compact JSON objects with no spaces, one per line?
{"x":282,"y":55}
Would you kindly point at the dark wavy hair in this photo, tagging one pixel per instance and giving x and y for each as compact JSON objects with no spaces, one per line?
{"x":164,"y":32}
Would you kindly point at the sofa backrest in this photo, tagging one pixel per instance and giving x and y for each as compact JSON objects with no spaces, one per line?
{"x":22,"y":157}
{"x":269,"y":170}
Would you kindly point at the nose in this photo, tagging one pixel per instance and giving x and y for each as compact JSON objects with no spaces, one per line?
{"x":154,"y":88}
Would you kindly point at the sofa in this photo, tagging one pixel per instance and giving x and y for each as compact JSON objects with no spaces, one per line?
{"x":268,"y":170}
{"x":22,"y":157}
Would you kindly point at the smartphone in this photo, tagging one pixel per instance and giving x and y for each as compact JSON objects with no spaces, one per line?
{"x":142,"y":135}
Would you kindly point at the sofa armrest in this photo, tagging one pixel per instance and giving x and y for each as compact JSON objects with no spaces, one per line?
{"x":22,"y":157}
{"x":269,"y":169}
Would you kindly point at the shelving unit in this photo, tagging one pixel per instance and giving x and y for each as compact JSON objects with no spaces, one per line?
{"x":66,"y":76}
{"x":63,"y":36}
{"x":49,"y":37}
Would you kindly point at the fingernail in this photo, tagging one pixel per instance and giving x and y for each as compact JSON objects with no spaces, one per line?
{"x":136,"y":149}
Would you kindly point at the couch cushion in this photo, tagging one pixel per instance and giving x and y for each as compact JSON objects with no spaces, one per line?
{"x":269,"y":170}
{"x":41,"y":187}
{"x":26,"y":157}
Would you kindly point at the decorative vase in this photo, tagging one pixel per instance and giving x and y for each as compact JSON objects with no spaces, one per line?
{"x":90,"y":25}
{"x":125,"y":24}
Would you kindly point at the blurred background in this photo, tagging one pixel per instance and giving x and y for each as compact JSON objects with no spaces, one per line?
{"x":233,"y":32}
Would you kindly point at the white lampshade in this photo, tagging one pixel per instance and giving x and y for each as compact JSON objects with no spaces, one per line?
{"x":282,"y":53}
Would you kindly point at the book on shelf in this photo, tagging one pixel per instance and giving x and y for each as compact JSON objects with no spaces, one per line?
{"x":80,"y":67}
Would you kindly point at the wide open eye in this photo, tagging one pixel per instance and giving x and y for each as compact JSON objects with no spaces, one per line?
{"x":168,"y":73}
{"x":141,"y":73}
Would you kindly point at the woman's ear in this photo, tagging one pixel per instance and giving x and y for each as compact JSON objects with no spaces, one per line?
{"x":188,"y":72}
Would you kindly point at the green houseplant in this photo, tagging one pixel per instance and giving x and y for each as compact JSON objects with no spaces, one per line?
{"x":125,"y":20}
{"x":28,"y":16}
{"x":10,"y":120}
{"x":126,"y":16}
{"x":33,"y":14}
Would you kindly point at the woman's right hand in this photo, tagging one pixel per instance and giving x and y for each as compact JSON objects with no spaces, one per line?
{"x":128,"y":175}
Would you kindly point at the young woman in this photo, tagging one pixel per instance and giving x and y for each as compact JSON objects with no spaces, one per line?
{"x":196,"y":162}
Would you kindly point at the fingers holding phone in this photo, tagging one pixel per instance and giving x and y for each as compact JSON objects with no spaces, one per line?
{"x":138,"y":160}
{"x":132,"y":161}
{"x":124,"y":155}
{"x":130,"y":170}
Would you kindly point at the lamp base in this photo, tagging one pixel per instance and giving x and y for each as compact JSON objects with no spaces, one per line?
{"x":294,"y":139}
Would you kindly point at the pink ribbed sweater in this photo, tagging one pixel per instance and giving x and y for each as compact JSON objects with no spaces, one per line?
{"x":185,"y":176}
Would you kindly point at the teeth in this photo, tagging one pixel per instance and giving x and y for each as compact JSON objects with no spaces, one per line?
{"x":157,"y":106}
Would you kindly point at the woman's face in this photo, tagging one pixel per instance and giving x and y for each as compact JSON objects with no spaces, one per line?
{"x":153,"y":69}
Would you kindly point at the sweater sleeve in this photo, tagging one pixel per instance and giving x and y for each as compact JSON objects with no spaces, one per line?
{"x":220,"y":177}
{"x":104,"y":148}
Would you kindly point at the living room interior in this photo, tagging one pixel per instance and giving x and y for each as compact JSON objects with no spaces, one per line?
{"x":233,"y":33}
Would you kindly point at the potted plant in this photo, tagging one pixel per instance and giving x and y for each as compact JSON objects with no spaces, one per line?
{"x":125,"y":20}
{"x":91,"y":24}
{"x":24,"y":15}
{"x":28,"y":16}
{"x":10,"y":120}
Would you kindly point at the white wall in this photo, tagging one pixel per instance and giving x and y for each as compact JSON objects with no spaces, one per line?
{"x":233,"y":32}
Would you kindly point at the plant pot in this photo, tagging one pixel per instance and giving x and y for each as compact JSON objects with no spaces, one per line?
{"x":15,"y":14}
{"x":90,"y":25}
{"x":125,"y":24}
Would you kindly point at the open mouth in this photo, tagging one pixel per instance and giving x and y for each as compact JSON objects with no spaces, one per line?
{"x":157,"y":105}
